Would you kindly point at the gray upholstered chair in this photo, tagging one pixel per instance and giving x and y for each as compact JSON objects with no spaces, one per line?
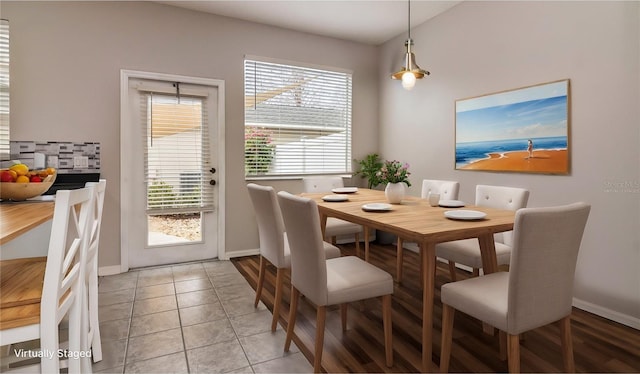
{"x":537,"y":290}
{"x":448,"y":190}
{"x":273,"y":243}
{"x":467,"y":252}
{"x":328,"y":281}
{"x":334,"y":227}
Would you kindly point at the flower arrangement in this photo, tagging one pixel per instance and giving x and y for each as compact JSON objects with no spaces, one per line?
{"x":259,"y":151}
{"x":394,"y":172}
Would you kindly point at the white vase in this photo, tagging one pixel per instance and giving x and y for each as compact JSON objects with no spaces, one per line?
{"x":394,"y":192}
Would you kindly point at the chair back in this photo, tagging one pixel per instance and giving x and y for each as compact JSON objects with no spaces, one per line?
{"x":270,"y":224}
{"x":501,"y":197}
{"x":321,"y":184}
{"x":448,"y":190}
{"x":95,"y":223}
{"x":62,"y":291}
{"x":308,"y":261}
{"x":543,"y":263}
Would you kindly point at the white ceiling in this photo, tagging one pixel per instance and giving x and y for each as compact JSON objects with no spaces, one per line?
{"x":364,"y":21}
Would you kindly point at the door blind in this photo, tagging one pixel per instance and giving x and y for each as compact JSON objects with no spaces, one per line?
{"x":297,"y":120}
{"x":177,"y":159}
{"x":4,"y":90}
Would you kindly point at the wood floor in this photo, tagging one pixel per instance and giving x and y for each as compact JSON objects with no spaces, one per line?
{"x":600,"y":345}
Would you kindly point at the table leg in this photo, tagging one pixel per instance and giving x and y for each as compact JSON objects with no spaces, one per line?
{"x":323,"y":223}
{"x":428,"y":257}
{"x":489,"y":265}
{"x":366,"y":244}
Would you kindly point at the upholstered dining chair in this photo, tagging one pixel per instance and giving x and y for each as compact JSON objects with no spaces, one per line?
{"x":448,"y":190}
{"x":467,"y":252}
{"x":335,"y":226}
{"x":325,"y":281}
{"x":537,"y":290}
{"x":274,"y":247}
{"x":63,"y":287}
{"x":91,"y":272}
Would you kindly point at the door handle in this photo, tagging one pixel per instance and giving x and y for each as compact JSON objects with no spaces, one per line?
{"x":212,"y":170}
{"x":212,"y":182}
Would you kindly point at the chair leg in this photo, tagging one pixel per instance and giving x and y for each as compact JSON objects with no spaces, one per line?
{"x":399,"y":260}
{"x":366,"y":243}
{"x":334,"y":240}
{"x":94,"y":323}
{"x":357,"y":239}
{"x":277,"y":299}
{"x":293,"y":308}
{"x":320,"y":320}
{"x":447,"y":335}
{"x":502,"y":342}
{"x":567,"y":344}
{"x":343,"y":315}
{"x":513,"y":353}
{"x":388,"y":329}
{"x":261,"y":271}
{"x":452,"y":271}
{"x":476,"y":272}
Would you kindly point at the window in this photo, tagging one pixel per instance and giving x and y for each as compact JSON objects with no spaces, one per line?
{"x":297,"y":120}
{"x":4,"y":90}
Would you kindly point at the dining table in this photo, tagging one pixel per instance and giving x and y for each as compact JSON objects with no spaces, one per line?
{"x":415,"y":220}
{"x":21,"y":279}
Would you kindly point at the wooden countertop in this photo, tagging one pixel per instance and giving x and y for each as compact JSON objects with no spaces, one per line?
{"x":20,"y":217}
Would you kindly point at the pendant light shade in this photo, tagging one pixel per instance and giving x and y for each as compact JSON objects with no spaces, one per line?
{"x":410,"y":72}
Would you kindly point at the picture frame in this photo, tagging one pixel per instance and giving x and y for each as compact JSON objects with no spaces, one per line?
{"x":523,"y":130}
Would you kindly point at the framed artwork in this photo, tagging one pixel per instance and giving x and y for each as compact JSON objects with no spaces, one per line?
{"x":524,"y":130}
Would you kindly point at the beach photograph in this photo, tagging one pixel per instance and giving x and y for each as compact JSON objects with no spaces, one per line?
{"x":523,"y":130}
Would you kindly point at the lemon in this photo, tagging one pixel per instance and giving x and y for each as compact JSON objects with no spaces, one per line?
{"x":20,"y":169}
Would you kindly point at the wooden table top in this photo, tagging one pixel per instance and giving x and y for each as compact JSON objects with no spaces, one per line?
{"x":414,"y":219}
{"x":20,"y":217}
{"x":21,"y":283}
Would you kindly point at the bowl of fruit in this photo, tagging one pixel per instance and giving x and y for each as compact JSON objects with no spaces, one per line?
{"x":18,"y":183}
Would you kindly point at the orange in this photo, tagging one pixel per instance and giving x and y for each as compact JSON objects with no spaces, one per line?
{"x":14,"y":175}
{"x":51,"y":171}
{"x":22,"y":179}
{"x":20,"y":169}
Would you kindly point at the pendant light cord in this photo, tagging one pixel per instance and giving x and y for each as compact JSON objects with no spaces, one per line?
{"x":409,"y":19}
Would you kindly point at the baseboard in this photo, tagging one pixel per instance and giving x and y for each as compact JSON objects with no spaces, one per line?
{"x":109,"y":270}
{"x":243,"y":253}
{"x":607,"y":313}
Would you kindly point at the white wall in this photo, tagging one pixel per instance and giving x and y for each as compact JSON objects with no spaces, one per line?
{"x":66,"y":59}
{"x":477,"y":48}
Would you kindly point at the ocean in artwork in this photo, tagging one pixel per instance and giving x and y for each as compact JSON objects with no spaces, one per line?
{"x":469,"y":152}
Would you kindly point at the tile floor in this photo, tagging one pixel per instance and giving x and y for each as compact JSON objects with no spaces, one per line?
{"x":193,"y":318}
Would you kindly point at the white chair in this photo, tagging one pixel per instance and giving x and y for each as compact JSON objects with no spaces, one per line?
{"x":467,"y":252}
{"x":328,"y":281}
{"x":63,"y":288}
{"x":335,"y":226}
{"x":91,"y":279}
{"x":537,"y":290}
{"x":448,"y":190}
{"x":273,"y":243}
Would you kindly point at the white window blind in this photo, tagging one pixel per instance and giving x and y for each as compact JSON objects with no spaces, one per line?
{"x":297,"y":120}
{"x":4,"y":90}
{"x":176,"y":141}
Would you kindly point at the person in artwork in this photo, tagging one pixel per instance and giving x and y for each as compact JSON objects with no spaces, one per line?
{"x":530,"y":148}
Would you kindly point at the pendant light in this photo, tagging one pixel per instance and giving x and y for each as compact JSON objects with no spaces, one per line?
{"x":410,"y":72}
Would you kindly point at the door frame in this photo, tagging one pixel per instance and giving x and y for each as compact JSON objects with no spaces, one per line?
{"x":126,"y":152}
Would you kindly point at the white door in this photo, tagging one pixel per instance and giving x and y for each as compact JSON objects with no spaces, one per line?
{"x":169,"y":168}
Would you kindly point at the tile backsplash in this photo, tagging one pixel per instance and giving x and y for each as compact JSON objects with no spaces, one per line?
{"x":67,"y":157}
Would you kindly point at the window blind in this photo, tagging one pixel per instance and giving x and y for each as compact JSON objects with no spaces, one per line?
{"x":297,"y":120}
{"x":4,"y":90}
{"x":177,"y":156}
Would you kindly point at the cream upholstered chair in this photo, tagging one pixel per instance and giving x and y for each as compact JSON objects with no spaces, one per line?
{"x":334,"y":226}
{"x":537,"y":290}
{"x":448,"y":190}
{"x":328,"y":281}
{"x":273,"y":243}
{"x":91,"y":271}
{"x":467,"y":252}
{"x":63,"y":288}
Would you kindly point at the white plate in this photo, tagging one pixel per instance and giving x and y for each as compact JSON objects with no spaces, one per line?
{"x":465,"y":215}
{"x":376,"y":207}
{"x":451,"y":203}
{"x":335,"y":198}
{"x":345,"y":190}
